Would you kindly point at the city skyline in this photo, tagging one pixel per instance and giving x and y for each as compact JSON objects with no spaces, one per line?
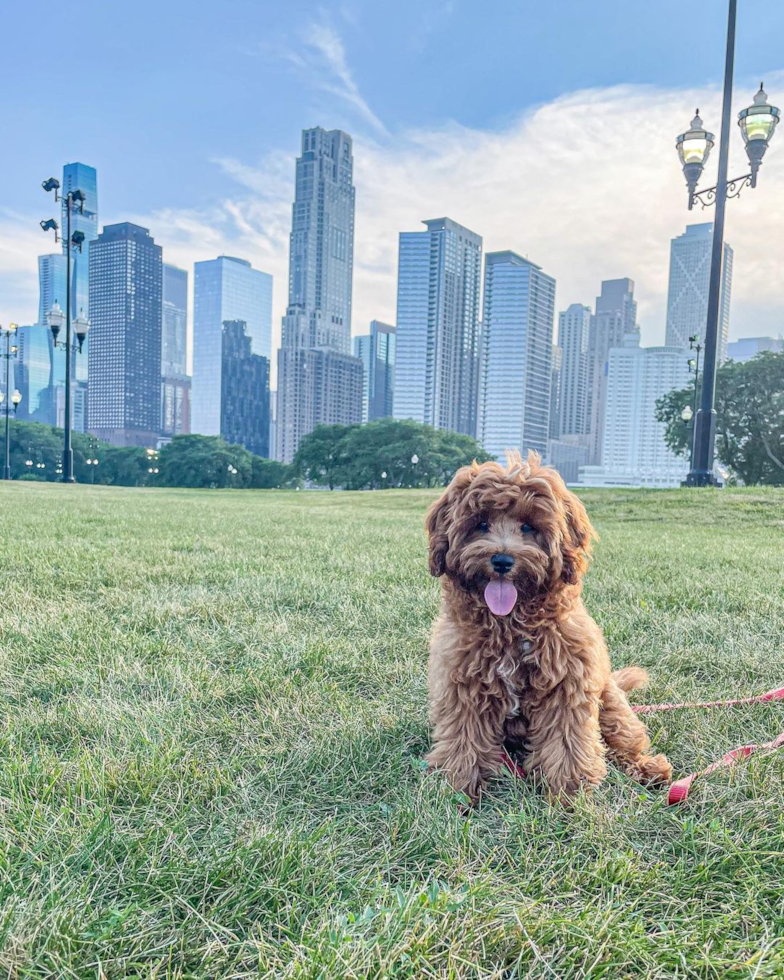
{"x":428,"y":149}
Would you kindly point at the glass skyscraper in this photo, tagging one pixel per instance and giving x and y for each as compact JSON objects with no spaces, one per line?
{"x":245,"y":396}
{"x":687,"y":296}
{"x":78,"y":176}
{"x":225,"y":288}
{"x":517,"y":352}
{"x":126,"y":273}
{"x":437,"y":357}
{"x":41,"y":368}
{"x":316,"y":344}
{"x":174,"y":349}
{"x":376,"y":350}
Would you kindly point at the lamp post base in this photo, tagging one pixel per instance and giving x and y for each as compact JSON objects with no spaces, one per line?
{"x":68,"y":474}
{"x":6,"y":472}
{"x":701,"y":478}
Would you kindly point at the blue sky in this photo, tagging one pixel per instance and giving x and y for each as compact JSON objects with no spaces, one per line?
{"x":191,"y":112}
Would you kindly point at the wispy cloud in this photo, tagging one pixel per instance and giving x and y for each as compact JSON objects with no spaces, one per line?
{"x":324,"y":60}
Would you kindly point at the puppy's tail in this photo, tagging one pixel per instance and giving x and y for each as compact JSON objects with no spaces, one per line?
{"x":630,"y":678}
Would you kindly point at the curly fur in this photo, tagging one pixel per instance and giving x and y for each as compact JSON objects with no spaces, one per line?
{"x":537,"y":681}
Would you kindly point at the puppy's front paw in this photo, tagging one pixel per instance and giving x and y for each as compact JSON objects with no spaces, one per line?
{"x":654,"y":770}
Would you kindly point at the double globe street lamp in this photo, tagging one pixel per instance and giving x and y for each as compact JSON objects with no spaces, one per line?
{"x":73,"y":202}
{"x":757,"y":125}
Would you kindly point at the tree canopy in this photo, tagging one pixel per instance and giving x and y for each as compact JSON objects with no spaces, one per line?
{"x":384,"y":453}
{"x":186,"y":461}
{"x":749,"y":418}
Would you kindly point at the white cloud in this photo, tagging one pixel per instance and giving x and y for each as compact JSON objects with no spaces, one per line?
{"x":587,"y":186}
{"x":324,"y":60}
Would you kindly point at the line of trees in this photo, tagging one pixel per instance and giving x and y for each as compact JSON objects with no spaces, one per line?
{"x":749,"y":419}
{"x":186,"y":461}
{"x":384,"y":453}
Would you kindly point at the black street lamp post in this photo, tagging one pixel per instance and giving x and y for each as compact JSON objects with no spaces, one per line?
{"x":72,"y":201}
{"x":757,"y":125}
{"x":9,"y":401}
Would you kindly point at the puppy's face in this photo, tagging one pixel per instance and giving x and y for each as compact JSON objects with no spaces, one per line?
{"x":508,"y":533}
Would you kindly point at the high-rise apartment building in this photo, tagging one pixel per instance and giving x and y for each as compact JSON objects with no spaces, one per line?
{"x":316,"y":341}
{"x":326,"y":388}
{"x":363,"y":347}
{"x":225,"y":288}
{"x":574,"y":326}
{"x":175,"y":405}
{"x":687,"y":296}
{"x":438,"y":334}
{"x":554,"y":428}
{"x":174,"y":337}
{"x":245,"y":395}
{"x":517,"y":351}
{"x":175,"y":383}
{"x":634,"y":452}
{"x":376,"y":350}
{"x":613,"y":323}
{"x":321,"y":246}
{"x":126,"y":273}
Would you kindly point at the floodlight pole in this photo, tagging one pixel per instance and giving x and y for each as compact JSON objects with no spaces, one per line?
{"x":68,"y":473}
{"x":701,"y":472}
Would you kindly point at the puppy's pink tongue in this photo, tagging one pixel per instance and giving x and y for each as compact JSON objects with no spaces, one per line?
{"x":500,"y":596}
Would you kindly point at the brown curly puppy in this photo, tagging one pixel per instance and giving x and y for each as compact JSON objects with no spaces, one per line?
{"x":516,"y":661}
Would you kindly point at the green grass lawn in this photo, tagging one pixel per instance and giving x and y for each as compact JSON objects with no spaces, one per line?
{"x":212,"y":716}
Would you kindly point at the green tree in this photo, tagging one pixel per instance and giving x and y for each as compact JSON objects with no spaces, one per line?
{"x":321,"y":457}
{"x":749,"y":418}
{"x":36,"y":450}
{"x":268,"y":474}
{"x":125,"y":466}
{"x":384,"y":453}
{"x":204,"y":461}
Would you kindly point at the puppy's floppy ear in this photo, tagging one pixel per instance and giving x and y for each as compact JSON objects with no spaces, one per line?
{"x":436,"y":523}
{"x":580,"y":533}
{"x":439,"y":518}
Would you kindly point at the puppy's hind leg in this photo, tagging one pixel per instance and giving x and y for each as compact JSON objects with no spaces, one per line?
{"x":627,"y":739}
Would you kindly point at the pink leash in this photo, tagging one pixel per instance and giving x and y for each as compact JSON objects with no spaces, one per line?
{"x":679,"y":790}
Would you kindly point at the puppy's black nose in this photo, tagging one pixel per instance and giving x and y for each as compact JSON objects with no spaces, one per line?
{"x":502,"y":563}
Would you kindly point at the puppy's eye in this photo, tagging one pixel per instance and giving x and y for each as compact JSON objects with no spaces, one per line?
{"x":527,"y":529}
{"x":483,"y":527}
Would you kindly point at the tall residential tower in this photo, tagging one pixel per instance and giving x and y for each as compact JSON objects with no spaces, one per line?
{"x":175,"y":383}
{"x":517,"y":353}
{"x":438,"y":335}
{"x":316,"y":344}
{"x":126,"y":273}
{"x":614,"y":324}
